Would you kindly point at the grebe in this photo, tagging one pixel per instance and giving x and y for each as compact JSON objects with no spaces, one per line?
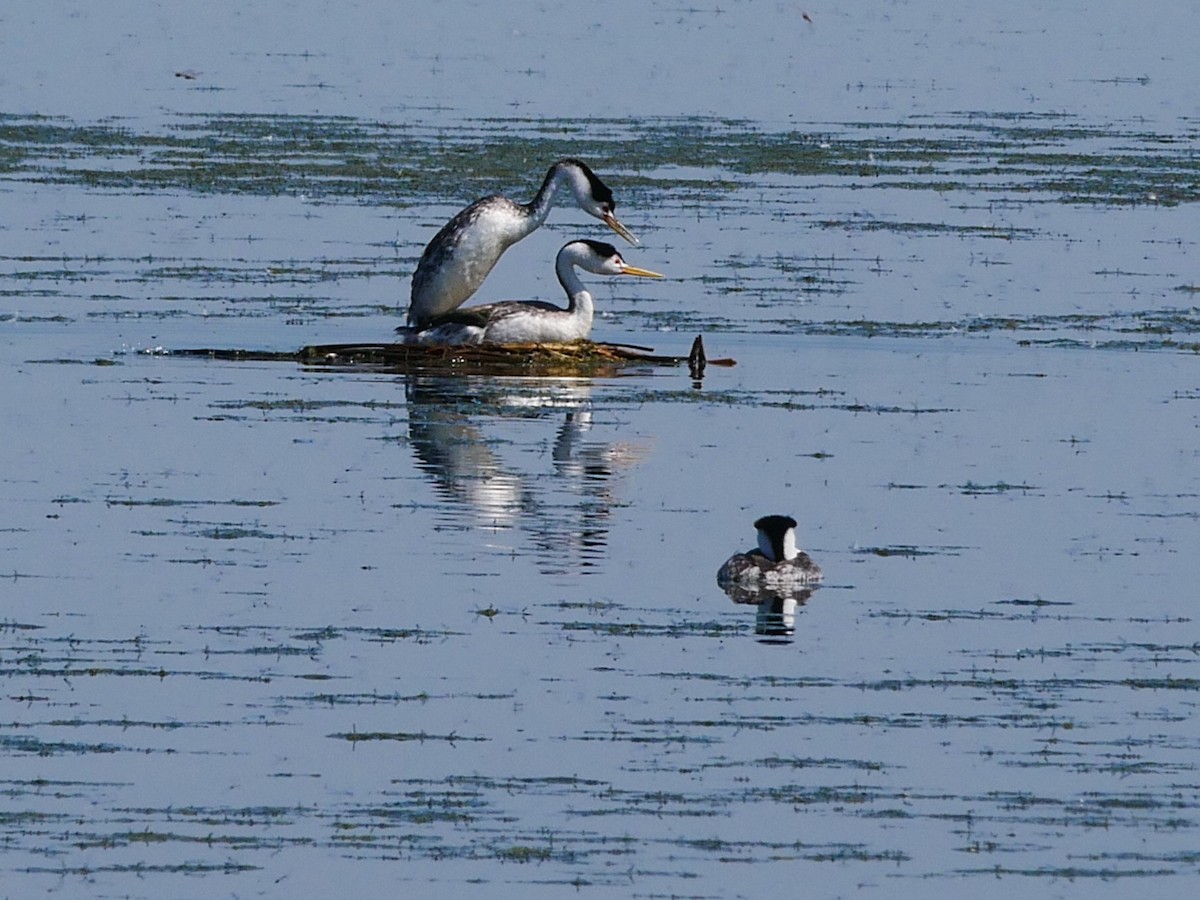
{"x":461,"y":255}
{"x":533,"y":321}
{"x":777,"y":563}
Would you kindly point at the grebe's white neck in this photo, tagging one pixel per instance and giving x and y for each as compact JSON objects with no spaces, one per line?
{"x":579,"y":299}
{"x":574,"y":174}
{"x":777,"y":538}
{"x":591,"y":195}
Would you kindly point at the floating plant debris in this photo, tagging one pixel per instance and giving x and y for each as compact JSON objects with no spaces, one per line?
{"x":576,"y":358}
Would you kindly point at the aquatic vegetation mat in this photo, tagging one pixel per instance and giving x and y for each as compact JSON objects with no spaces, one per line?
{"x":575,"y":358}
{"x":1056,"y":157}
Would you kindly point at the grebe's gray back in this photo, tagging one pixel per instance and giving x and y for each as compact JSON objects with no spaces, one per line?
{"x":534,"y":321}
{"x":461,"y":255}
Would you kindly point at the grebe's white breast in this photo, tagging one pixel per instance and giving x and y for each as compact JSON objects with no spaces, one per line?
{"x":537,"y":323}
{"x":459,"y":258}
{"x":511,"y":322}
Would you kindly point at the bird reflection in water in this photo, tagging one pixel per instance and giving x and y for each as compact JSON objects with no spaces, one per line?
{"x":775,"y":618}
{"x":455,"y":430}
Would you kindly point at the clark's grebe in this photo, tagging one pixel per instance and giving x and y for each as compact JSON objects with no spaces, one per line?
{"x":533,"y":321}
{"x":776,"y":563}
{"x":461,"y":255}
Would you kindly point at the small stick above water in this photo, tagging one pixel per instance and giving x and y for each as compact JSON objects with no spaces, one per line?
{"x":696,"y":359}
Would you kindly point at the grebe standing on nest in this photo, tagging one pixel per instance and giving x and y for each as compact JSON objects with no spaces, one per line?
{"x":777,"y":563}
{"x":461,"y":255}
{"x":534,"y":321}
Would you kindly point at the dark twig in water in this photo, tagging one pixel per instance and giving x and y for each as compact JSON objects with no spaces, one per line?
{"x":696,"y":359}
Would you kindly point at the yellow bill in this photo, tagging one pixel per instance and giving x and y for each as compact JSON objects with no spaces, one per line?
{"x":611,"y":221}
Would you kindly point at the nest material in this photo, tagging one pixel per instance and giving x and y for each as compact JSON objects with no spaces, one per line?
{"x":577,"y":357}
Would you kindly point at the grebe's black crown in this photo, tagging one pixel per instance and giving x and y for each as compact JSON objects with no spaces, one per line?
{"x":598,"y":188}
{"x":600,"y":248}
{"x":775,"y":523}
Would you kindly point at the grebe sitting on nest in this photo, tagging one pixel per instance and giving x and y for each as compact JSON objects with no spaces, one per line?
{"x":533,"y":321}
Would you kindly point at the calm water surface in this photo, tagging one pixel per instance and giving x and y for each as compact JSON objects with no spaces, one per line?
{"x":268,"y":627}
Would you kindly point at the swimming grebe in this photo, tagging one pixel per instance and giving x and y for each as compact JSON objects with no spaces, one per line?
{"x":776,"y":563}
{"x":533,"y":321}
{"x":461,"y":255}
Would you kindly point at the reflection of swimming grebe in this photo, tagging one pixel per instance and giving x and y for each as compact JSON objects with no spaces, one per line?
{"x":460,"y":256}
{"x":777,"y":563}
{"x":521,"y":322}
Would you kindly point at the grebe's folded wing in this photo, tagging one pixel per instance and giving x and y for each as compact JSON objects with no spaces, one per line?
{"x":473,"y":316}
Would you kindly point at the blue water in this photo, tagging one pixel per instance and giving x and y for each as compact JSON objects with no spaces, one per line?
{"x":757,"y":61}
{"x":268,"y":627}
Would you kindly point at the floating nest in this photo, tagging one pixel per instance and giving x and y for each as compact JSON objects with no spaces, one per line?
{"x":574,"y":358}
